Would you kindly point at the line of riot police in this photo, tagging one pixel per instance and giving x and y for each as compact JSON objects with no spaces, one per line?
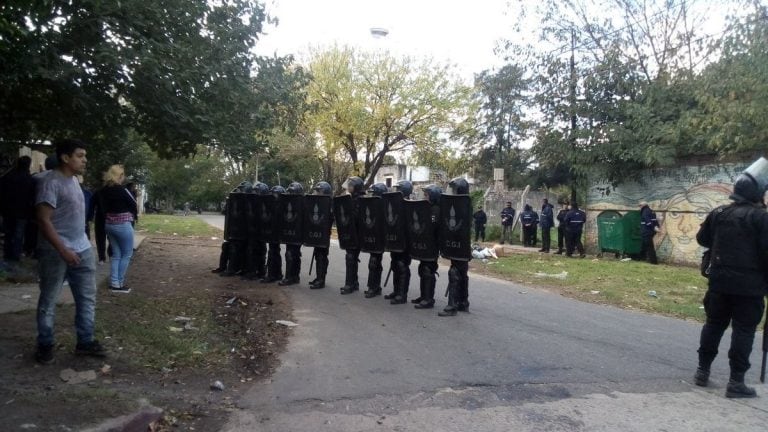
{"x":376,"y":222}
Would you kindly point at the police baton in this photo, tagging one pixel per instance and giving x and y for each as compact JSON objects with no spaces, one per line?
{"x":312,"y":262}
{"x":388,"y":273}
{"x":765,"y":347}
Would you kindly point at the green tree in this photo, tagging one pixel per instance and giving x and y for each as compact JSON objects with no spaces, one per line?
{"x":501,"y":125}
{"x":178,"y":72}
{"x":369,"y":105}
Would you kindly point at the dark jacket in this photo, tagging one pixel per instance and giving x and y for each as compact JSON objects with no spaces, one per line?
{"x":575,"y":220}
{"x":737,"y":236}
{"x":648,"y":222}
{"x":561,"y":219}
{"x":528,"y":217}
{"x":507,"y":216}
{"x":547,"y":216}
{"x":117,"y":199}
{"x":480,"y":218}
{"x":17,"y":194}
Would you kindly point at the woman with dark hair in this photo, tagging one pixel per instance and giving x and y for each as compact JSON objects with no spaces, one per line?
{"x":119,"y":210}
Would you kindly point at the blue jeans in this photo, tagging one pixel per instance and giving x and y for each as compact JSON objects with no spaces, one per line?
{"x":121,"y":239}
{"x":82,"y":281}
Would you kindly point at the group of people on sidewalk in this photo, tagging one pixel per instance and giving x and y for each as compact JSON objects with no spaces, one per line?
{"x":61,"y":209}
{"x":570,"y":226}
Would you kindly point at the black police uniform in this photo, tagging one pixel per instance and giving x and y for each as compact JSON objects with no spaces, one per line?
{"x":400,"y":262}
{"x":458,"y":273}
{"x":428,"y":269}
{"x":561,"y":231}
{"x":574,"y":226}
{"x":352,"y":256}
{"x":737,"y":238}
{"x":648,"y":225}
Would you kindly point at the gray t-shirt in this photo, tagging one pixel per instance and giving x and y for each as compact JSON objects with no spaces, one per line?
{"x":68,"y":218}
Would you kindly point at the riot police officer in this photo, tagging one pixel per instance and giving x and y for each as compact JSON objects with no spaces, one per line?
{"x":352,"y":257}
{"x":375,"y":266}
{"x":256,"y":252}
{"x":274,"y":260}
{"x":457,"y":229}
{"x":428,"y":268}
{"x":401,"y":261}
{"x":321,"y":253}
{"x":737,"y":238}
{"x":293,"y":249}
{"x":574,"y":226}
{"x":235,"y":229}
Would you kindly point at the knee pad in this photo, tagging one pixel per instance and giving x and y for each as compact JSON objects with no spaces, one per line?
{"x":425,"y":270}
{"x":351,"y":258}
{"x":454,"y":273}
{"x":374,"y":263}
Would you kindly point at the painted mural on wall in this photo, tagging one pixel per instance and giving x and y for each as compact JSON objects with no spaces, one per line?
{"x":681,"y":197}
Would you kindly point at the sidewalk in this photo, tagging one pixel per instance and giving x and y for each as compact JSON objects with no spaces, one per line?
{"x":23,"y":296}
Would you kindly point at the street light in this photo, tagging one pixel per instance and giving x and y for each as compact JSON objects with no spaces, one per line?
{"x":379,"y":32}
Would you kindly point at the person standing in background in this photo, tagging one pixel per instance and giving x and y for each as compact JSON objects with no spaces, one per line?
{"x":17,"y":188}
{"x":507,"y":221}
{"x":480,"y":220}
{"x":547,"y":222}
{"x":120,"y":211}
{"x":561,"y":228}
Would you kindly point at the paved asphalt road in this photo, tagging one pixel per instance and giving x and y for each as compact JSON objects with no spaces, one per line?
{"x":524,"y":359}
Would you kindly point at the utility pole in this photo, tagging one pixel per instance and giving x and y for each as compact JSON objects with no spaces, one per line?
{"x":572,"y":99}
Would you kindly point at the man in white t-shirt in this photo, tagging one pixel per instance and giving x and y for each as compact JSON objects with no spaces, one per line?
{"x":64,"y":252}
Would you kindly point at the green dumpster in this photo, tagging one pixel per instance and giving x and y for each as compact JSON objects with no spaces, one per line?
{"x":619,"y":234}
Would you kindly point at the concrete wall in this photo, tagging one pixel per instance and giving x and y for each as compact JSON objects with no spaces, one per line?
{"x":681,"y":197}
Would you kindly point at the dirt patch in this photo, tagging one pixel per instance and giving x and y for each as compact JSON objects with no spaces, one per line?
{"x":178,"y":331}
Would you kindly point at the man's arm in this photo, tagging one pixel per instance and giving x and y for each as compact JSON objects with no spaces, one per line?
{"x":704,"y":236}
{"x":44,"y":212}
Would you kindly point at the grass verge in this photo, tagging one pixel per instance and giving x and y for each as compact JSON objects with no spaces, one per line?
{"x":176,"y":225}
{"x":678,"y":290}
{"x":142,"y":330}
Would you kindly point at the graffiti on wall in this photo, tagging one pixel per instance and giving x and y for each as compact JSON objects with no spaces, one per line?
{"x":681,"y":197}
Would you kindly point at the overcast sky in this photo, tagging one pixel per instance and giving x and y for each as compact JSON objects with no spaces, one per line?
{"x":460,"y":32}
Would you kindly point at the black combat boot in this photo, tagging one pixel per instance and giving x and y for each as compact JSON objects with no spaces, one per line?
{"x":736,"y":388}
{"x":701,"y":378}
{"x":349,"y":289}
{"x":428,"y":299}
{"x":289,"y":281}
{"x":372,"y":292}
{"x":450,"y":309}
{"x":391,"y":295}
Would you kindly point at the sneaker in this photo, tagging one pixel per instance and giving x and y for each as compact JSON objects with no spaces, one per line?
{"x":93,"y":349}
{"x":122,"y":290}
{"x":44,"y":354}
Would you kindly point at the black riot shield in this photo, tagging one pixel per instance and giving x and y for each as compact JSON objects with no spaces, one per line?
{"x":252,"y":217}
{"x":317,"y":221}
{"x":291,"y":219}
{"x":455,"y":229}
{"x":394,"y":216}
{"x":344,"y":212}
{"x":421,"y":229}
{"x":237,"y":216}
{"x":269,"y":209}
{"x":370,"y":224}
